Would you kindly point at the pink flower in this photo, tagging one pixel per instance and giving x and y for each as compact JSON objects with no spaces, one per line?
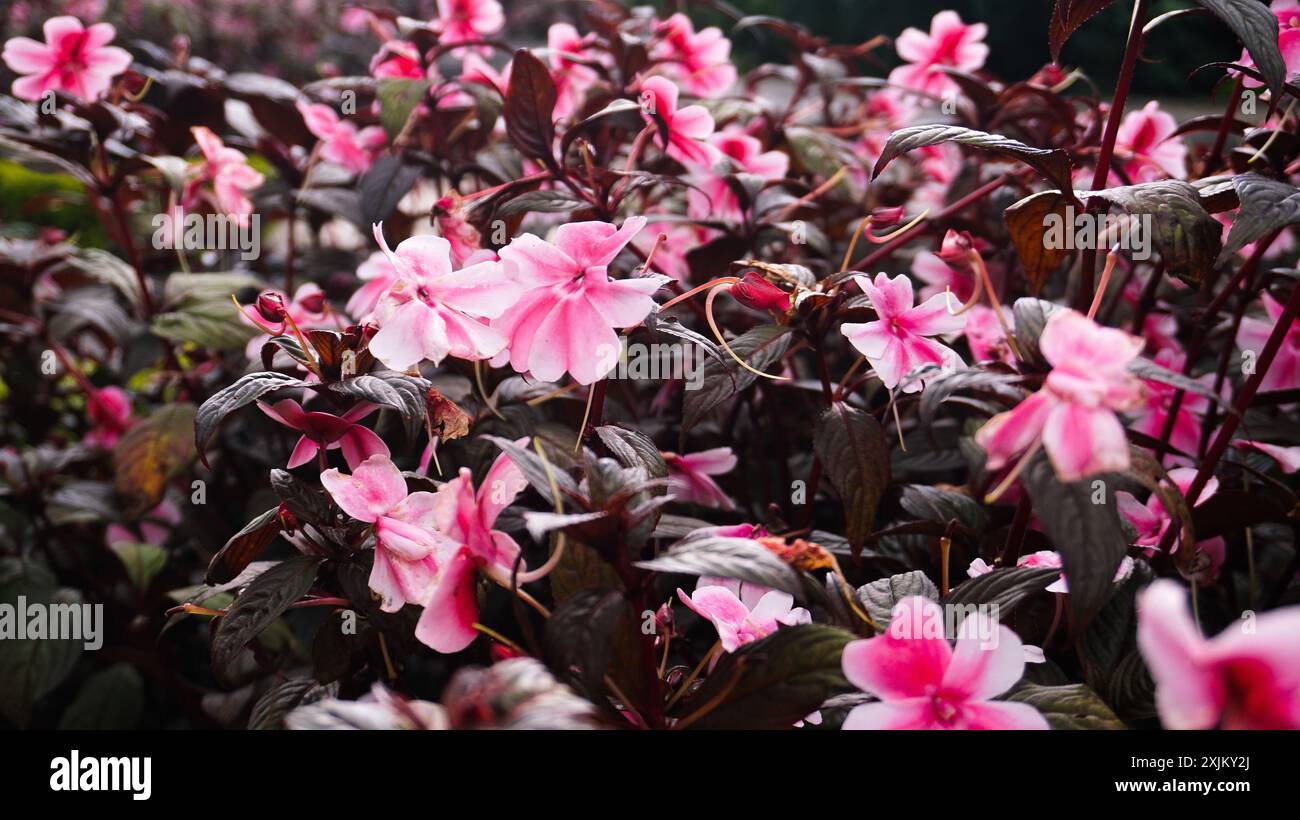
{"x":464,"y":21}
{"x":939,"y":277}
{"x":1074,"y":414}
{"x":566,"y":318}
{"x":688,"y":128}
{"x":1047,"y":559}
{"x":1288,"y":458}
{"x":984,"y":334}
{"x":110,"y":413}
{"x":429,"y":312}
{"x":572,"y":79}
{"x":410,"y":553}
{"x":474,"y":69}
{"x":924,"y":683}
{"x":378,"y":274}
{"x":713,"y":198}
{"x":1247,"y":677}
{"x":466,"y":519}
{"x":1284,"y":372}
{"x":699,"y":62}
{"x":689,"y":476}
{"x":741,"y":612}
{"x":1147,"y":144}
{"x":73,"y":59}
{"x":329,"y":431}
{"x":228,"y":171}
{"x":950,"y":43}
{"x":1152,"y":519}
{"x":1154,"y":413}
{"x":897,"y":343}
{"x":397,"y":59}
{"x":341,"y":142}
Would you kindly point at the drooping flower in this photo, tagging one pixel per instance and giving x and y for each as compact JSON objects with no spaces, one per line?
{"x":1288,"y":458}
{"x":898,"y":342}
{"x":75,"y":60}
{"x":329,"y":431}
{"x":688,"y":127}
{"x":566,"y":318}
{"x":922,"y":682}
{"x":689,"y":476}
{"x":467,"y":519}
{"x":228,"y":172}
{"x":465,"y":21}
{"x":109,"y":409}
{"x":1284,"y":371}
{"x":1047,"y":559}
{"x":1148,"y":147}
{"x":698,"y":61}
{"x":950,"y":43}
{"x":742,"y":612}
{"x":1246,"y":677}
{"x":712,"y":198}
{"x":1151,"y":520}
{"x":341,"y":142}
{"x":409,"y":551}
{"x":429,"y":312}
{"x":1073,"y":415}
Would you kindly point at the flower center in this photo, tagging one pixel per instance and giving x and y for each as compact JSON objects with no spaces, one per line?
{"x":944,"y":710}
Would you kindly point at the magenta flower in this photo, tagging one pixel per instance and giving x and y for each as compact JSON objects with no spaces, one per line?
{"x":688,"y":127}
{"x":341,"y":142}
{"x":565,"y":321}
{"x":1247,"y":677}
{"x":329,"y":431}
{"x":229,"y":173}
{"x":572,"y":78}
{"x":1152,"y":519}
{"x":699,"y":62}
{"x":742,"y":612}
{"x":466,"y":519}
{"x":73,"y":59}
{"x":1073,"y":416}
{"x":430,"y":311}
{"x":397,"y":59}
{"x":1047,"y":559}
{"x":1284,"y":372}
{"x":922,"y":682}
{"x":689,"y":477}
{"x":712,"y":198}
{"x":984,"y":334}
{"x":897,"y":343}
{"x":465,"y":21}
{"x":409,"y":551}
{"x":110,"y":414}
{"x":153,"y":528}
{"x":950,"y":43}
{"x":1147,"y":144}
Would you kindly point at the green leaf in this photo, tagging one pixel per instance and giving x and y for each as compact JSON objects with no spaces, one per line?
{"x":773,"y":682}
{"x":206,"y":324}
{"x":398,"y":97}
{"x":111,"y":699}
{"x":851,"y":446}
{"x":1052,"y":163}
{"x":1088,"y":536}
{"x":142,"y":561}
{"x":264,"y":599}
{"x":32,"y":667}
{"x":760,"y":348}
{"x":1068,"y":707}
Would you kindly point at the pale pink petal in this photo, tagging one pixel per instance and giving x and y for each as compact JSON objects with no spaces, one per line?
{"x":983,"y":668}
{"x":997,"y":715}
{"x":907,"y":660}
{"x":1083,"y":441}
{"x":902,"y":714}
{"x":1188,"y":694}
{"x":373,"y":489}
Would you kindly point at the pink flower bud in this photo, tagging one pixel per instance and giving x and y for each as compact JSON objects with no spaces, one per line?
{"x":753,"y":291}
{"x":270,"y":306}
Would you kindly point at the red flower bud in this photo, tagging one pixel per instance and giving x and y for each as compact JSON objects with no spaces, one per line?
{"x":753,"y":291}
{"x":313,"y":302}
{"x":886,"y":217}
{"x":270,"y":306}
{"x":956,"y":248}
